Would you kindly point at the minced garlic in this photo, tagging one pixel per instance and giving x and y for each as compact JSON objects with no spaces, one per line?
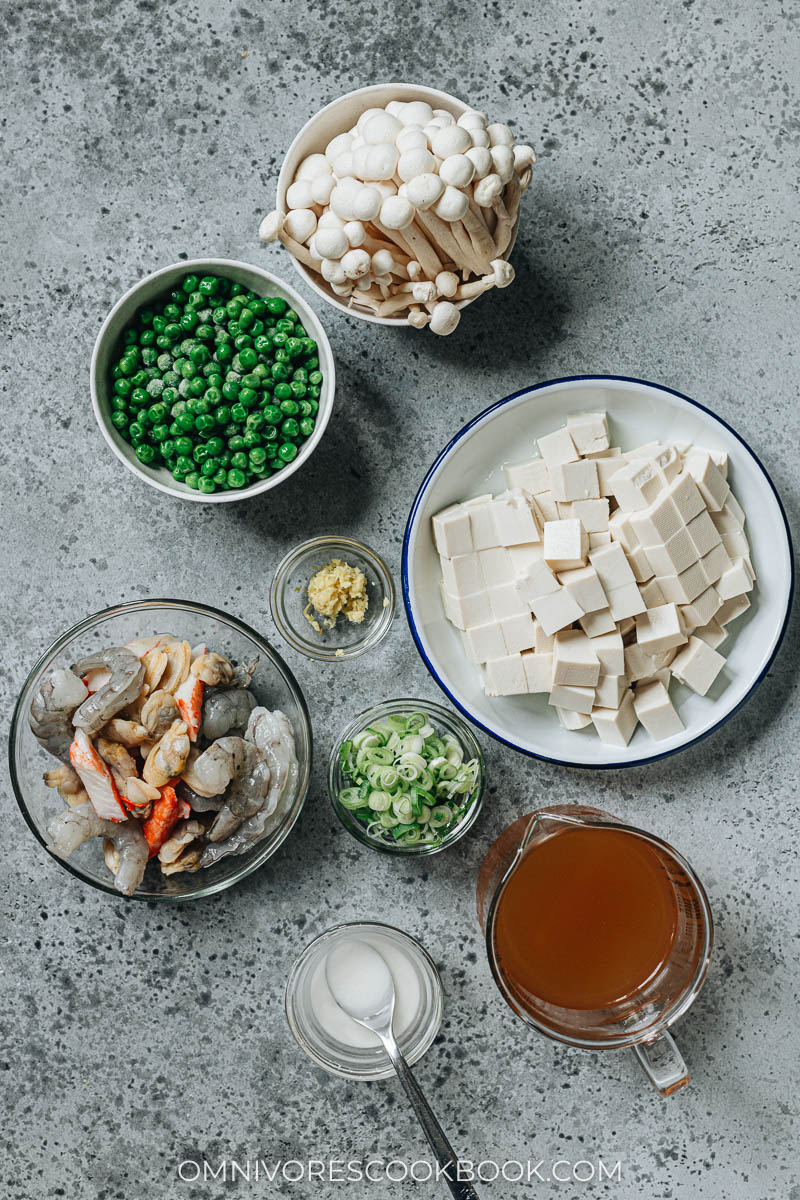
{"x":336,"y":588}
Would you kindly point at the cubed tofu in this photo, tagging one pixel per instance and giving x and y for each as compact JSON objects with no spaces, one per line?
{"x":574,"y":660}
{"x":544,"y":641}
{"x":655,"y":710}
{"x":483,"y":528}
{"x":546,"y":506}
{"x":700,"y":611}
{"x":592,"y":514}
{"x":730,"y":517}
{"x":451,"y":531}
{"x":597,"y":623}
{"x":514,"y":518}
{"x":518,"y":632}
{"x":697,"y":665}
{"x":566,"y":510}
{"x":609,"y":691}
{"x":596,"y":540}
{"x":720,"y":461}
{"x":483,"y":642}
{"x":612,"y":566}
{"x":606,"y":470}
{"x":625,"y":601}
{"x":659,"y":629}
{"x":575,"y":480}
{"x":532,"y":475}
{"x":589,"y":431}
{"x":611,"y":452}
{"x":737,"y":580}
{"x":636,"y":485}
{"x":685,"y":495}
{"x":575,"y":699}
{"x":713,"y":634}
{"x":464,"y":611}
{"x":736,"y":544}
{"x":651,"y":593}
{"x":572,"y":720}
{"x":558,"y":447}
{"x":505,"y":676}
{"x":538,"y":671}
{"x":640,"y":565}
{"x":711,"y":483}
{"x":462,"y":575}
{"x":522,"y":556}
{"x":621,"y":529}
{"x":610,"y":651}
{"x":731,"y":609}
{"x":704,"y":534}
{"x":584,"y":586}
{"x":556,"y":610}
{"x":674,"y":556}
{"x":658,"y":522}
{"x":506,"y":601}
{"x":685,"y":587}
{"x":535,"y":580}
{"x":715,"y":563}
{"x":615,"y":726}
{"x":497,"y":566}
{"x":566,"y":544}
{"x":641,"y":665}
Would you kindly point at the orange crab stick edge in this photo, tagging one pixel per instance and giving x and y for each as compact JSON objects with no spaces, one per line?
{"x":162,"y":820}
{"x":96,"y":778}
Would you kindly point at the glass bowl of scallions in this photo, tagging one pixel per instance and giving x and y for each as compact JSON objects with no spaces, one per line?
{"x":407,"y":777}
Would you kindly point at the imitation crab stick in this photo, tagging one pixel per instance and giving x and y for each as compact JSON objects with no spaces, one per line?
{"x":189,"y":699}
{"x":96,"y":778}
{"x":167,"y":811}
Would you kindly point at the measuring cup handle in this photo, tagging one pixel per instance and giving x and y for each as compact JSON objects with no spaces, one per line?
{"x":663,"y":1064}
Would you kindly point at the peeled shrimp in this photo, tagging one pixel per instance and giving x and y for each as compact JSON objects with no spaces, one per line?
{"x":125,"y":684}
{"x":127,"y":733}
{"x":245,"y":796}
{"x":74,"y":826}
{"x":196,"y":802}
{"x":210,"y":773}
{"x":226,"y":709}
{"x":168,"y":757}
{"x":50,"y":716}
{"x":158,"y":712}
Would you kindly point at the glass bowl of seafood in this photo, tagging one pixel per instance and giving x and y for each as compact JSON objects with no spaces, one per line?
{"x":160,"y":765}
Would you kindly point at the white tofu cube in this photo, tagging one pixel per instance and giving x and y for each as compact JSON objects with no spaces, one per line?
{"x":483,"y":642}
{"x":674,"y":556}
{"x":736,"y":544}
{"x":596,"y":540}
{"x":597,"y":623}
{"x":625,"y":601}
{"x":532,"y":475}
{"x":572,"y":720}
{"x":575,"y":699}
{"x":715,"y":563}
{"x":606,"y":470}
{"x":505,"y":676}
{"x":697,"y":665}
{"x":538,"y":671}
{"x":654,"y":709}
{"x":711,"y":483}
{"x":636,"y":485}
{"x":663,"y":676}
{"x":737,"y":580}
{"x":482,"y":523}
{"x":611,"y":452}
{"x":544,"y":641}
{"x":518,"y":632}
{"x":555,"y":611}
{"x":592,"y":514}
{"x":496,"y":566}
{"x":462,"y":575}
{"x":522,"y":556}
{"x":685,"y":495}
{"x":566,"y":510}
{"x":584,"y":586}
{"x":451,"y":531}
{"x":575,"y":481}
{"x":566,"y":544}
{"x":651,"y":593}
{"x":640,"y":565}
{"x":506,"y":601}
{"x":641,"y":665}
{"x":535,"y":580}
{"x":464,"y":611}
{"x":720,"y":461}
{"x":704,"y":534}
{"x":615,"y":726}
{"x":730,"y":516}
{"x":514,"y":518}
{"x":685,"y":587}
{"x":657,"y":523}
{"x":700,"y":611}
{"x":610,"y":653}
{"x":574,"y":660}
{"x":558,"y":447}
{"x":612,"y":566}
{"x":731,"y":609}
{"x":621,"y":529}
{"x":589,"y":431}
{"x":713,"y":634}
{"x":609,"y":690}
{"x":659,"y":629}
{"x":546,"y":506}
{"x":627,"y":629}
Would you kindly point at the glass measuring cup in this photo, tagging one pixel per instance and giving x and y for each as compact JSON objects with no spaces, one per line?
{"x":641,"y":1019}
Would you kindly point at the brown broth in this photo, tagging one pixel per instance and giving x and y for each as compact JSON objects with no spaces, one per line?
{"x":585,"y":920}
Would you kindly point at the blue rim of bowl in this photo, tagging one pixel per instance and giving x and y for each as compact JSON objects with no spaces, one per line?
{"x":18,"y":715}
{"x":418,"y":499}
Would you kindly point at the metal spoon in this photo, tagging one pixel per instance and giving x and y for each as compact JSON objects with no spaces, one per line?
{"x":369,"y":1000}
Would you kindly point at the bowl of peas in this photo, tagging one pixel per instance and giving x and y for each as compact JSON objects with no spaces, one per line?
{"x":212,"y":380}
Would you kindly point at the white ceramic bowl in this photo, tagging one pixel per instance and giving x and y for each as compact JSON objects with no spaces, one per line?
{"x":337,"y":117}
{"x":638,"y":411}
{"x":149,"y":289}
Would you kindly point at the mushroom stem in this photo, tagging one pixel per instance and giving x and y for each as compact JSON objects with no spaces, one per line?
{"x":420,"y":247}
{"x":468,"y":291}
{"x":506,"y":207}
{"x":477,"y":229}
{"x":395,"y":236}
{"x":417,"y":318}
{"x":394,"y":304}
{"x":468,"y":256}
{"x":442,"y":234}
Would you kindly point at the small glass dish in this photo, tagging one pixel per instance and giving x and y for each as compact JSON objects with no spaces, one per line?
{"x":289,"y":598}
{"x":321,"y":1045}
{"x":444,"y":719}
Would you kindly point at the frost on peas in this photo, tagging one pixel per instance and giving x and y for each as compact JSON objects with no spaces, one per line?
{"x":155,"y":386}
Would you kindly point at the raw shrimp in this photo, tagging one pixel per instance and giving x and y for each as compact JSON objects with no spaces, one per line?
{"x":50,"y":717}
{"x":158,"y":712}
{"x":226,"y":709}
{"x":75,"y":826}
{"x":197,"y":802}
{"x":211,"y":772}
{"x":245,"y":796}
{"x":125,"y":684}
{"x":168,"y":757}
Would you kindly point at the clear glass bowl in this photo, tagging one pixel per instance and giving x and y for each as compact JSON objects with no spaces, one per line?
{"x":443,"y":719}
{"x":322,"y":1047}
{"x":288,"y":600}
{"x":273,"y":685}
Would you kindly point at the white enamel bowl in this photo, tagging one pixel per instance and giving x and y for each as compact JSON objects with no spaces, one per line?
{"x":151,"y":288}
{"x":638,"y":412}
{"x":337,"y":117}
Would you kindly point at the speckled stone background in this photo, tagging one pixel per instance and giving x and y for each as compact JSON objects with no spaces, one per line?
{"x":659,"y":239}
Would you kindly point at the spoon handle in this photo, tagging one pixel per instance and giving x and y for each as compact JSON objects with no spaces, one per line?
{"x":444,"y":1152}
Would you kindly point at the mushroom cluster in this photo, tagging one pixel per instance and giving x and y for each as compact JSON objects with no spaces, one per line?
{"x":409,"y":212}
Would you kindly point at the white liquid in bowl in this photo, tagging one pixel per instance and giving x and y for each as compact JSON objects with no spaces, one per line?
{"x":336,"y":1022}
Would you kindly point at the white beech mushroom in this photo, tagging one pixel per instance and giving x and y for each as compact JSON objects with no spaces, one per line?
{"x":446,"y":284}
{"x":300,"y":223}
{"x":354,"y":232}
{"x":356,"y":263}
{"x":444,"y":318}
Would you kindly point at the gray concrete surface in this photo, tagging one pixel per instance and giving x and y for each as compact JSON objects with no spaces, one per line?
{"x":659,"y":239}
